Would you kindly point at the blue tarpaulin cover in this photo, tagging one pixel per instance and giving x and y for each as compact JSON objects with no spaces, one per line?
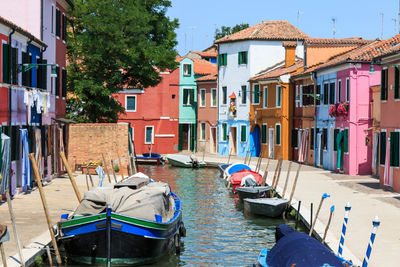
{"x":238,"y":167}
{"x":298,"y":248}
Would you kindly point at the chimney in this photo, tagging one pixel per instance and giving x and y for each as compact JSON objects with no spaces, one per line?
{"x":290,"y":53}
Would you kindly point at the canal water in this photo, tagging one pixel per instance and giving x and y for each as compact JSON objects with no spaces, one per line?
{"x":218,"y":231}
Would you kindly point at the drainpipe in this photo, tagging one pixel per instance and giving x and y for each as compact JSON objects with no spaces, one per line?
{"x":9,"y":90}
{"x":314,"y":80}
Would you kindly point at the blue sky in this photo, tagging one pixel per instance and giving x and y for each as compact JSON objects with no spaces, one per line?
{"x":354,"y":18}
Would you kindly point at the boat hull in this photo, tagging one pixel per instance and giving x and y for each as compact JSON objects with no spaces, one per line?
{"x":150,"y":160}
{"x":253,"y":192}
{"x":269,"y":207}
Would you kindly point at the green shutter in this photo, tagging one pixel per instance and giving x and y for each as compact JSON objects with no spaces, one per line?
{"x":225,"y":59}
{"x":264,"y":134}
{"x":240,"y":58}
{"x":43,"y":75}
{"x":193,"y":135}
{"x":180,"y":144}
{"x":185,"y":95}
{"x":14,"y":65}
{"x":6,"y":63}
{"x":346,"y":141}
{"x":190,"y":69}
{"x":256,"y":94}
{"x":224,"y":133}
{"x":382,"y":154}
{"x":394,"y":149}
{"x":396,"y":83}
{"x":64,"y":83}
{"x":58,"y":81}
{"x":384,"y":85}
{"x":278,"y":134}
{"x":245,"y":57}
{"x":25,"y":76}
{"x":191,"y":91}
{"x":336,"y":132}
{"x":243,"y":133}
{"x":295,"y":133}
{"x":279,"y":96}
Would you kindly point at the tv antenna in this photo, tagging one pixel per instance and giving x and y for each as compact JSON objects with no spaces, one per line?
{"x":395,"y":25}
{"x":298,"y":16}
{"x":334,"y":26}
{"x":381,"y":25}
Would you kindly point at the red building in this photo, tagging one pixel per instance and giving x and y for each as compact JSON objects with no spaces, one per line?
{"x":153,"y":114}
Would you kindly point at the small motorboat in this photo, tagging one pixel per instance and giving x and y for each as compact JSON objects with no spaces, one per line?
{"x":222,"y":167}
{"x":184,"y":161}
{"x":135,"y":222}
{"x":253,"y":191}
{"x":269,"y":207}
{"x":239,"y":178}
{"x":235,"y":167}
{"x":298,"y":249}
{"x":150,"y":158}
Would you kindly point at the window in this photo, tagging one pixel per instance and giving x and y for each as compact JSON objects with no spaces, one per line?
{"x":224,"y":133}
{"x":394,"y":149}
{"x":64,"y":83}
{"x":222,"y":59}
{"x":14,"y":65}
{"x":295,"y":133}
{"x":224,"y":95}
{"x":58,"y":81}
{"x":324,"y":138}
{"x":58,"y":22}
{"x":6,"y":63}
{"x":203,"y":131}
{"x":52,"y":19}
{"x":396,"y":84}
{"x":243,"y":133}
{"x":278,"y":134}
{"x":242,"y":57}
{"x":346,"y":141}
{"x":312,"y":138}
{"x":256,"y":94}
{"x":339,"y":90}
{"x":382,"y":150}
{"x":326,"y":87}
{"x":187,"y":69}
{"x":307,"y":95}
{"x":264,"y":133}
{"x":202,"y":97}
{"x":64,"y":27}
{"x":130,"y":103}
{"x":347,"y":90}
{"x":335,"y":134}
{"x":332,"y":93}
{"x":265,"y":97}
{"x":149,"y":139}
{"x":319,"y":95}
{"x":244,"y":94}
{"x":278,"y":96}
{"x":213,"y":97}
{"x":41,"y":75}
{"x":188,"y":96}
{"x":297,"y":100}
{"x":384,"y":84}
{"x":301,"y":95}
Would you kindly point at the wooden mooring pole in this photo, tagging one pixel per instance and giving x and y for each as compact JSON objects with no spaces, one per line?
{"x":106,"y":168}
{"x":71,"y":178}
{"x":3,"y":255}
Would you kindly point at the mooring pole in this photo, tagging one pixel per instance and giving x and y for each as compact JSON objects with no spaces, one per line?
{"x":287,"y":179}
{"x":375,"y":225}
{"x":105,"y":167}
{"x":3,"y":255}
{"x":325,"y":195}
{"x":294,"y":185}
{"x":347,"y":209}
{"x":229,"y":157}
{"x":108,"y":235}
{"x":298,"y":214}
{"x":71,"y":178}
{"x":329,"y":222}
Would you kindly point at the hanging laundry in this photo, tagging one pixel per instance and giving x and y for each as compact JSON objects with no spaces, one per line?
{"x":5,"y":166}
{"x":26,"y":165}
{"x":100,"y":173}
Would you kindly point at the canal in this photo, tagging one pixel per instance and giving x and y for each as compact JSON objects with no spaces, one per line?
{"x":218,"y":231}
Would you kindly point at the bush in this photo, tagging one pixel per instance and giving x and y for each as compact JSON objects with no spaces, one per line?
{"x":116,"y":168}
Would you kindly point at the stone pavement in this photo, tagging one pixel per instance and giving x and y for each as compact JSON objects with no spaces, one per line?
{"x":366,"y":198}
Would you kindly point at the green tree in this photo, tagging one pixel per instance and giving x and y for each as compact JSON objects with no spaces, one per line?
{"x":226,"y":30}
{"x":115,"y":44}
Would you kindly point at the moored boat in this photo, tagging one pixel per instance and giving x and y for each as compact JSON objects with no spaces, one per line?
{"x":235,"y":167}
{"x":236,"y":178}
{"x":147,"y":158}
{"x":222,"y":167}
{"x":269,"y":207}
{"x":133,"y":223}
{"x":253,"y":191}
{"x":183,"y":161}
{"x":299,"y":249}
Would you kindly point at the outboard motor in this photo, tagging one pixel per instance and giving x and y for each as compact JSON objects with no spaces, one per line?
{"x":195,"y":161}
{"x":248,"y":181}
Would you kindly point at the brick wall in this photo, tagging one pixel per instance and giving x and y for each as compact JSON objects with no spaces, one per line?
{"x":88,"y":141}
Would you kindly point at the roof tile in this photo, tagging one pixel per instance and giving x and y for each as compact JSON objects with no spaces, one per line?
{"x":201,"y":66}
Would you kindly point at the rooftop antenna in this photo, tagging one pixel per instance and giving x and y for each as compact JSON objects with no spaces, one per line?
{"x":193,"y":28}
{"x":298,"y":16}
{"x":334,"y":27}
{"x":381,"y":25}
{"x":185,"y":44}
{"x":395,"y":25}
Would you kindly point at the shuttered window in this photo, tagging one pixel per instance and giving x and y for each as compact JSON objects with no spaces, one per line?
{"x":295,"y":133}
{"x":264,"y":134}
{"x":394,"y":149}
{"x":384,"y":84}
{"x":6,"y":63}
{"x":312,"y":138}
{"x":332,"y":93}
{"x":326,"y":96}
{"x":130,"y":103}
{"x":58,"y":81}
{"x":224,"y":132}
{"x":187,"y":69}
{"x":396,"y":83}
{"x":347,"y":90}
{"x":188,"y":97}
{"x":242,"y":57}
{"x":25,"y":74}
{"x":203,"y":131}
{"x":64,"y":83}
{"x":243,"y":133}
{"x":14,"y":65}
{"x":279,"y":95}
{"x":64,"y":27}
{"x":278,"y":134}
{"x":244,"y":94}
{"x":58,"y":22}
{"x":382,"y":150}
{"x":256,"y":94}
{"x":222,"y":59}
{"x":224,"y":95}
{"x":324,"y":138}
{"x":339,"y":91}
{"x":336,"y":132}
{"x":346,"y":141}
{"x":42,"y":74}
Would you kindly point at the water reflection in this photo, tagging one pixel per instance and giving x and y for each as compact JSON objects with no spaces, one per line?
{"x":218,"y":232}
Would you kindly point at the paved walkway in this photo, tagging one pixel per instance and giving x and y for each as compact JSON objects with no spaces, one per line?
{"x":363,"y":192}
{"x":366,"y":198}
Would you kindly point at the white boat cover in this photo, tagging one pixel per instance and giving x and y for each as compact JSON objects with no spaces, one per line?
{"x":143,"y":203}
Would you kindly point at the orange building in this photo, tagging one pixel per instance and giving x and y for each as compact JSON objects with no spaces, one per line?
{"x":271,"y":108}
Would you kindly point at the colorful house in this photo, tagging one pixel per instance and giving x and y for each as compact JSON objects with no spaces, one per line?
{"x":210,"y":54}
{"x":343,"y":139}
{"x":389,"y":130}
{"x":190,"y":70}
{"x":207,"y":113}
{"x":316,"y":52}
{"x":241,"y":56}
{"x":153,"y":114}
{"x":270,"y":110}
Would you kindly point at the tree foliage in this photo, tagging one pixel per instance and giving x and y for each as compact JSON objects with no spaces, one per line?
{"x":116,"y":44}
{"x":226,"y":30}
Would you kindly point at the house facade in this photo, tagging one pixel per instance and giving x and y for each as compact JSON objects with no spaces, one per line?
{"x":241,"y":56}
{"x":153,"y":115}
{"x":207,"y":119}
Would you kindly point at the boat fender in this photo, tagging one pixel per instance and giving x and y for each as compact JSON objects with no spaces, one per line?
{"x":177,"y":241}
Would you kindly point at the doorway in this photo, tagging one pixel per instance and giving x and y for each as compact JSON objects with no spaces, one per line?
{"x":256,"y":134}
{"x":213,"y":141}
{"x":271,"y":143}
{"x":233,"y":140}
{"x":185,"y":136}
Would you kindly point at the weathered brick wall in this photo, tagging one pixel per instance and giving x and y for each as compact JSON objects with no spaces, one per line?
{"x":87,"y":142}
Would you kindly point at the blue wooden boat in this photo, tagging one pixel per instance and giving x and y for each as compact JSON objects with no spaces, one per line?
{"x":113,"y":236}
{"x":235,"y":167}
{"x":299,"y":249}
{"x":147,"y":158}
{"x":222,"y":167}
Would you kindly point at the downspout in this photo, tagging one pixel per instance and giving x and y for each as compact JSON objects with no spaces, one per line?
{"x":9,"y":90}
{"x":314,"y":80}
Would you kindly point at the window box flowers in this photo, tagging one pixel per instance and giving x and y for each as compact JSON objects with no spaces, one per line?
{"x":340,"y":109}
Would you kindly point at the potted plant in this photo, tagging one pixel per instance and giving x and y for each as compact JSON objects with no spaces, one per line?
{"x":343,"y":109}
{"x":116,"y":168}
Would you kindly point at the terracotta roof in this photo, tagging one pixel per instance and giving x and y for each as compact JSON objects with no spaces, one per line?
{"x":289,"y":44}
{"x":330,"y":41}
{"x":206,"y":54}
{"x":277,"y":72}
{"x":211,"y":77}
{"x":201,"y":66}
{"x":22,"y":31}
{"x":267,"y":30}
